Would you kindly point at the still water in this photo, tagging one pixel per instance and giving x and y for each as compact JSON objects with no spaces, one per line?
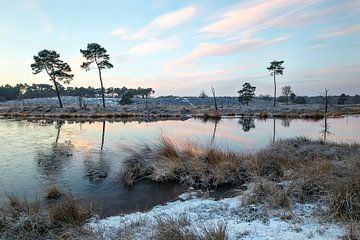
{"x":85,"y":158}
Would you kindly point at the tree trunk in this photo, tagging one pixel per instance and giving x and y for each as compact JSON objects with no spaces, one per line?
{"x":58,"y":94}
{"x":58,"y":135}
{"x":102,"y":88}
{"x":146,"y":103}
{"x":325,"y":114}
{"x":215,"y":103}
{"x":274,"y":130}
{"x":103,"y":136}
{"x":274,"y":89}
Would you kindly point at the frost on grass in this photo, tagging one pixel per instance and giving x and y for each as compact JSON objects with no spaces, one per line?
{"x":194,"y":218}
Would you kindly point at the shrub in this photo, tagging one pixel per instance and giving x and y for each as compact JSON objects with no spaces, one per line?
{"x":299,"y":100}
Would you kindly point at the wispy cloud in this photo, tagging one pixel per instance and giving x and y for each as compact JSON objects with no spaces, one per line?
{"x":173,"y":19}
{"x":154,"y":46}
{"x":244,"y":20}
{"x":337,"y":69}
{"x":118,"y":31}
{"x":217,"y":49}
{"x":162,"y":22}
{"x":339,"y":31}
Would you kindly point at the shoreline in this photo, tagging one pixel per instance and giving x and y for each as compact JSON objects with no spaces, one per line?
{"x":299,"y":188}
{"x":162,"y":112}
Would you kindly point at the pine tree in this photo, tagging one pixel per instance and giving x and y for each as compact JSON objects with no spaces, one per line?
{"x":246,"y":94}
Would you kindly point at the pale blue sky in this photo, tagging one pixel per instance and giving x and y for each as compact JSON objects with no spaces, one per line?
{"x":182,"y":47}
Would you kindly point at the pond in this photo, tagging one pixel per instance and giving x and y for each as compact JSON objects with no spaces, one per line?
{"x":86,"y":158}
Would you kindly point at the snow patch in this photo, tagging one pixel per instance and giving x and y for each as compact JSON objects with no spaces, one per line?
{"x":245,"y":222}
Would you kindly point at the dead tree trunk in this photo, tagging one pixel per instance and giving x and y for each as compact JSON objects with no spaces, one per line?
{"x":215,"y":103}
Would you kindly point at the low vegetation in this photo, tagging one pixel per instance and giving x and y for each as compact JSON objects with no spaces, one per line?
{"x":53,"y":193}
{"x":23,"y":219}
{"x":164,"y":227}
{"x":288,"y":171}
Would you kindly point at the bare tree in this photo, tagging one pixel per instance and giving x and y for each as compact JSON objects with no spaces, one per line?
{"x":202,"y":94}
{"x":326,"y":127}
{"x":215,"y":103}
{"x":286,"y":91}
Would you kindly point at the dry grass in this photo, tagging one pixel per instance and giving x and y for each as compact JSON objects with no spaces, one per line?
{"x":293,"y":170}
{"x":17,"y":206}
{"x":171,"y":227}
{"x":262,"y":115}
{"x":214,"y":233}
{"x":344,"y":190}
{"x":212,"y":114}
{"x":23,"y":219}
{"x":335,"y":114}
{"x":267,"y":192}
{"x":164,"y":227}
{"x":353,"y":231}
{"x":165,"y":161}
{"x":129,"y":230}
{"x":313,"y":115}
{"x":53,"y":193}
{"x":70,"y":212}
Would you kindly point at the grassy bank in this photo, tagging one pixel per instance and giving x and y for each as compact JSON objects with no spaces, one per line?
{"x":23,"y":219}
{"x":286,"y":172}
{"x":169,"y":112}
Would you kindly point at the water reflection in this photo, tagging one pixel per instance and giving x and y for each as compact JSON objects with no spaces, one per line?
{"x":34,"y":153}
{"x":274,"y":129}
{"x":102,"y":136}
{"x":97,"y":170}
{"x":285,"y":122}
{"x":58,"y":127}
{"x":51,"y":161}
{"x":247,"y":123}
{"x":214,"y":132}
{"x":325,"y":132}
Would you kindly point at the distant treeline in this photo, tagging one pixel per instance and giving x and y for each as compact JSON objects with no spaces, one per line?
{"x":25,"y":91}
{"x":332,"y":99}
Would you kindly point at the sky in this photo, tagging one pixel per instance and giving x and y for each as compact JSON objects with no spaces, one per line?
{"x":182,"y":47}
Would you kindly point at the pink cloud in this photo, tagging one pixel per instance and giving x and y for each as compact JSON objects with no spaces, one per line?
{"x":246,"y":19}
{"x":173,"y":19}
{"x":337,"y":69}
{"x":165,"y":21}
{"x":245,"y":16}
{"x":216,"y":49}
{"x":340,"y":30}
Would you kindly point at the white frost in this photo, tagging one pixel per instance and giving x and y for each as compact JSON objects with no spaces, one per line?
{"x":245,"y":222}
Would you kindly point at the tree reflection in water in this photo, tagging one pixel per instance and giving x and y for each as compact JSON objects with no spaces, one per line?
{"x":285,"y":122}
{"x":247,"y":123}
{"x":103,"y":136}
{"x":216,"y":121}
{"x":97,"y":170}
{"x":51,"y":161}
{"x":325,"y":132}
